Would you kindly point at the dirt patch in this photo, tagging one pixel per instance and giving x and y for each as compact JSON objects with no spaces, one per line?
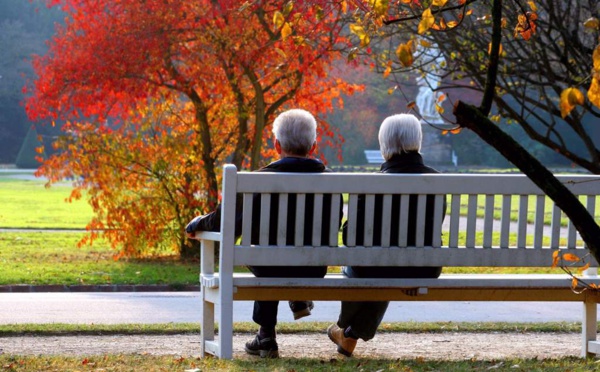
{"x":429,"y":346}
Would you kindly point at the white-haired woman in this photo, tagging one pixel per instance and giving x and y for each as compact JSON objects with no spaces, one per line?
{"x":400,"y":138}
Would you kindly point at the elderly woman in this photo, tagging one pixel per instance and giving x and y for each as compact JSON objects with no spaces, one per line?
{"x":400,"y":139}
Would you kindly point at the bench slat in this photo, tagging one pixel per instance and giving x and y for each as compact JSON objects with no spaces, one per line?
{"x":505,"y":221}
{"x":427,"y":256}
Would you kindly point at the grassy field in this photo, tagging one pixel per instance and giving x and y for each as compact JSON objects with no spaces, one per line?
{"x":28,"y":204}
{"x":118,"y":363}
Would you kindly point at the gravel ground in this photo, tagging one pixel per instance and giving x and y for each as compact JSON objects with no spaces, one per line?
{"x":430,"y":346}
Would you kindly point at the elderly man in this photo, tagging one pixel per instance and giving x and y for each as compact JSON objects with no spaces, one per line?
{"x":400,"y":143}
{"x":295,"y":140}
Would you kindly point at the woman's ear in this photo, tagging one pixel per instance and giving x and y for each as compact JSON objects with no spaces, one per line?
{"x":313,"y":148}
{"x":277,"y":146}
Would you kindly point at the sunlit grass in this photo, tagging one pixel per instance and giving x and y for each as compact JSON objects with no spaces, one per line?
{"x":34,"y":257}
{"x":133,"y":362}
{"x":28,"y":204}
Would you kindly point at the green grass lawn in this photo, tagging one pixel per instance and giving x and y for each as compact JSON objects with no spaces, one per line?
{"x":34,"y":257}
{"x":28,"y":204}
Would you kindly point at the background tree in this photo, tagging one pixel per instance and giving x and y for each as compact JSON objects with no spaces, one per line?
{"x":442,"y":15}
{"x":155,"y":95}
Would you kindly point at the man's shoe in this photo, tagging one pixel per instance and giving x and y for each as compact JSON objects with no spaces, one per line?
{"x":345,"y":345}
{"x":301,"y":308}
{"x":265,"y":347}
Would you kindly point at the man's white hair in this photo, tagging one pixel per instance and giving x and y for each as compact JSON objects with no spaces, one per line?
{"x":399,"y":133}
{"x":296,"y":131}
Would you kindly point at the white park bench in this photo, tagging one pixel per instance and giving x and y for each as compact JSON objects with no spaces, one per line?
{"x":504,"y":202}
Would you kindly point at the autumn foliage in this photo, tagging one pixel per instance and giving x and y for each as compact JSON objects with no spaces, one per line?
{"x":153,"y":96}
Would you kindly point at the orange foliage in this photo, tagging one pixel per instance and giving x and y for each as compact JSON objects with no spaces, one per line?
{"x":156,"y":94}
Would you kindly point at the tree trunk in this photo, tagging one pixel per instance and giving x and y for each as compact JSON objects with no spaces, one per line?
{"x":469,"y":116}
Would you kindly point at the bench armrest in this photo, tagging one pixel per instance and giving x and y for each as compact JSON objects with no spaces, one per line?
{"x":207,"y":235}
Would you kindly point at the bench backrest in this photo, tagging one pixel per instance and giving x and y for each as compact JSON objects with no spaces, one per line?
{"x":490,"y":220}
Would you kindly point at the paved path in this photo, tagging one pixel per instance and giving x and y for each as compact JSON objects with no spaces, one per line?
{"x":181,"y":307}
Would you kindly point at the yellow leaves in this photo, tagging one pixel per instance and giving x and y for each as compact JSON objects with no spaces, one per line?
{"x":387,"y":72}
{"x":439,"y":3}
{"x":278,"y":19}
{"x":359,"y":31}
{"x":532,"y":6}
{"x":286,"y":30}
{"x":594,"y":92}
{"x":427,"y":21}
{"x":569,"y":98}
{"x":404,"y":52}
{"x":380,"y":6}
{"x":596,"y":60}
{"x":490,"y":49}
{"x":287,"y":9}
{"x":555,"y":259}
{"x":592,"y":24}
{"x":411,"y":105}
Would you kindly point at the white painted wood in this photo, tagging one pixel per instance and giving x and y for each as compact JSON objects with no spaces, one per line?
{"x":454,"y":221}
{"x":438,"y":215}
{"x":420,"y":231}
{"x":471,"y":220}
{"x":265,"y":217}
{"x":539,"y":221}
{"x":386,"y":220}
{"x":282,"y":219}
{"x":224,"y":286}
{"x":352,"y":220}
{"x":505,"y":221}
{"x":334,"y":219}
{"x":369,"y":223}
{"x":522,"y":221}
{"x":299,"y":226}
{"x":317,"y":222}
{"x":488,"y":221}
{"x":589,"y":326}
{"x":555,"y":226}
{"x":247,"y":219}
{"x":591,"y":205}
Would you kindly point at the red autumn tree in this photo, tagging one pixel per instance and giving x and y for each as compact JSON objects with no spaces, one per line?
{"x":154,"y":95}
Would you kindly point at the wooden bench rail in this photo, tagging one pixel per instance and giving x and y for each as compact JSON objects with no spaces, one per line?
{"x":490,"y":221}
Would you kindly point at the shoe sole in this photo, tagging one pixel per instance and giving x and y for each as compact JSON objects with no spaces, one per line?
{"x":304,"y":312}
{"x":263,"y":353}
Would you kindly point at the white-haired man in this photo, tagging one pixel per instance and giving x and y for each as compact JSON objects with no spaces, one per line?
{"x":295,"y":134}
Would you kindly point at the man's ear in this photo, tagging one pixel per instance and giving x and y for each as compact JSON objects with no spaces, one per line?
{"x":277,"y":146}
{"x":313,"y":148}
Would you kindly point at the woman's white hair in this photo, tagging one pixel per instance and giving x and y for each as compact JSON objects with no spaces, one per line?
{"x":399,"y":133}
{"x":296,"y":131}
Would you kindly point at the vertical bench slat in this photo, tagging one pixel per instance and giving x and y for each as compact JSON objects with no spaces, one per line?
{"x":299,"y":225}
{"x":317,"y":223}
{"x":454,"y":221}
{"x":265,"y":215}
{"x":282,"y":215}
{"x":522,"y":222}
{"x":334,"y":219}
{"x":421,"y":209}
{"x":471,"y":220}
{"x":591,"y":207}
{"x":403,"y":223}
{"x":369,"y":223}
{"x":488,"y":221}
{"x":505,"y":222}
{"x":247,"y":219}
{"x":438,"y":218}
{"x":352,"y":216}
{"x":538,"y":236}
{"x":386,"y":220}
{"x":555,"y":227}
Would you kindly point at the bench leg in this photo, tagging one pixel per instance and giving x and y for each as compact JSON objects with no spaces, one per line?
{"x":207,"y":326}
{"x":588,"y":327}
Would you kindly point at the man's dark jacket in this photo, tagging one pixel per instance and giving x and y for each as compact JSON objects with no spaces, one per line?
{"x":212,"y":221}
{"x":410,"y":162}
